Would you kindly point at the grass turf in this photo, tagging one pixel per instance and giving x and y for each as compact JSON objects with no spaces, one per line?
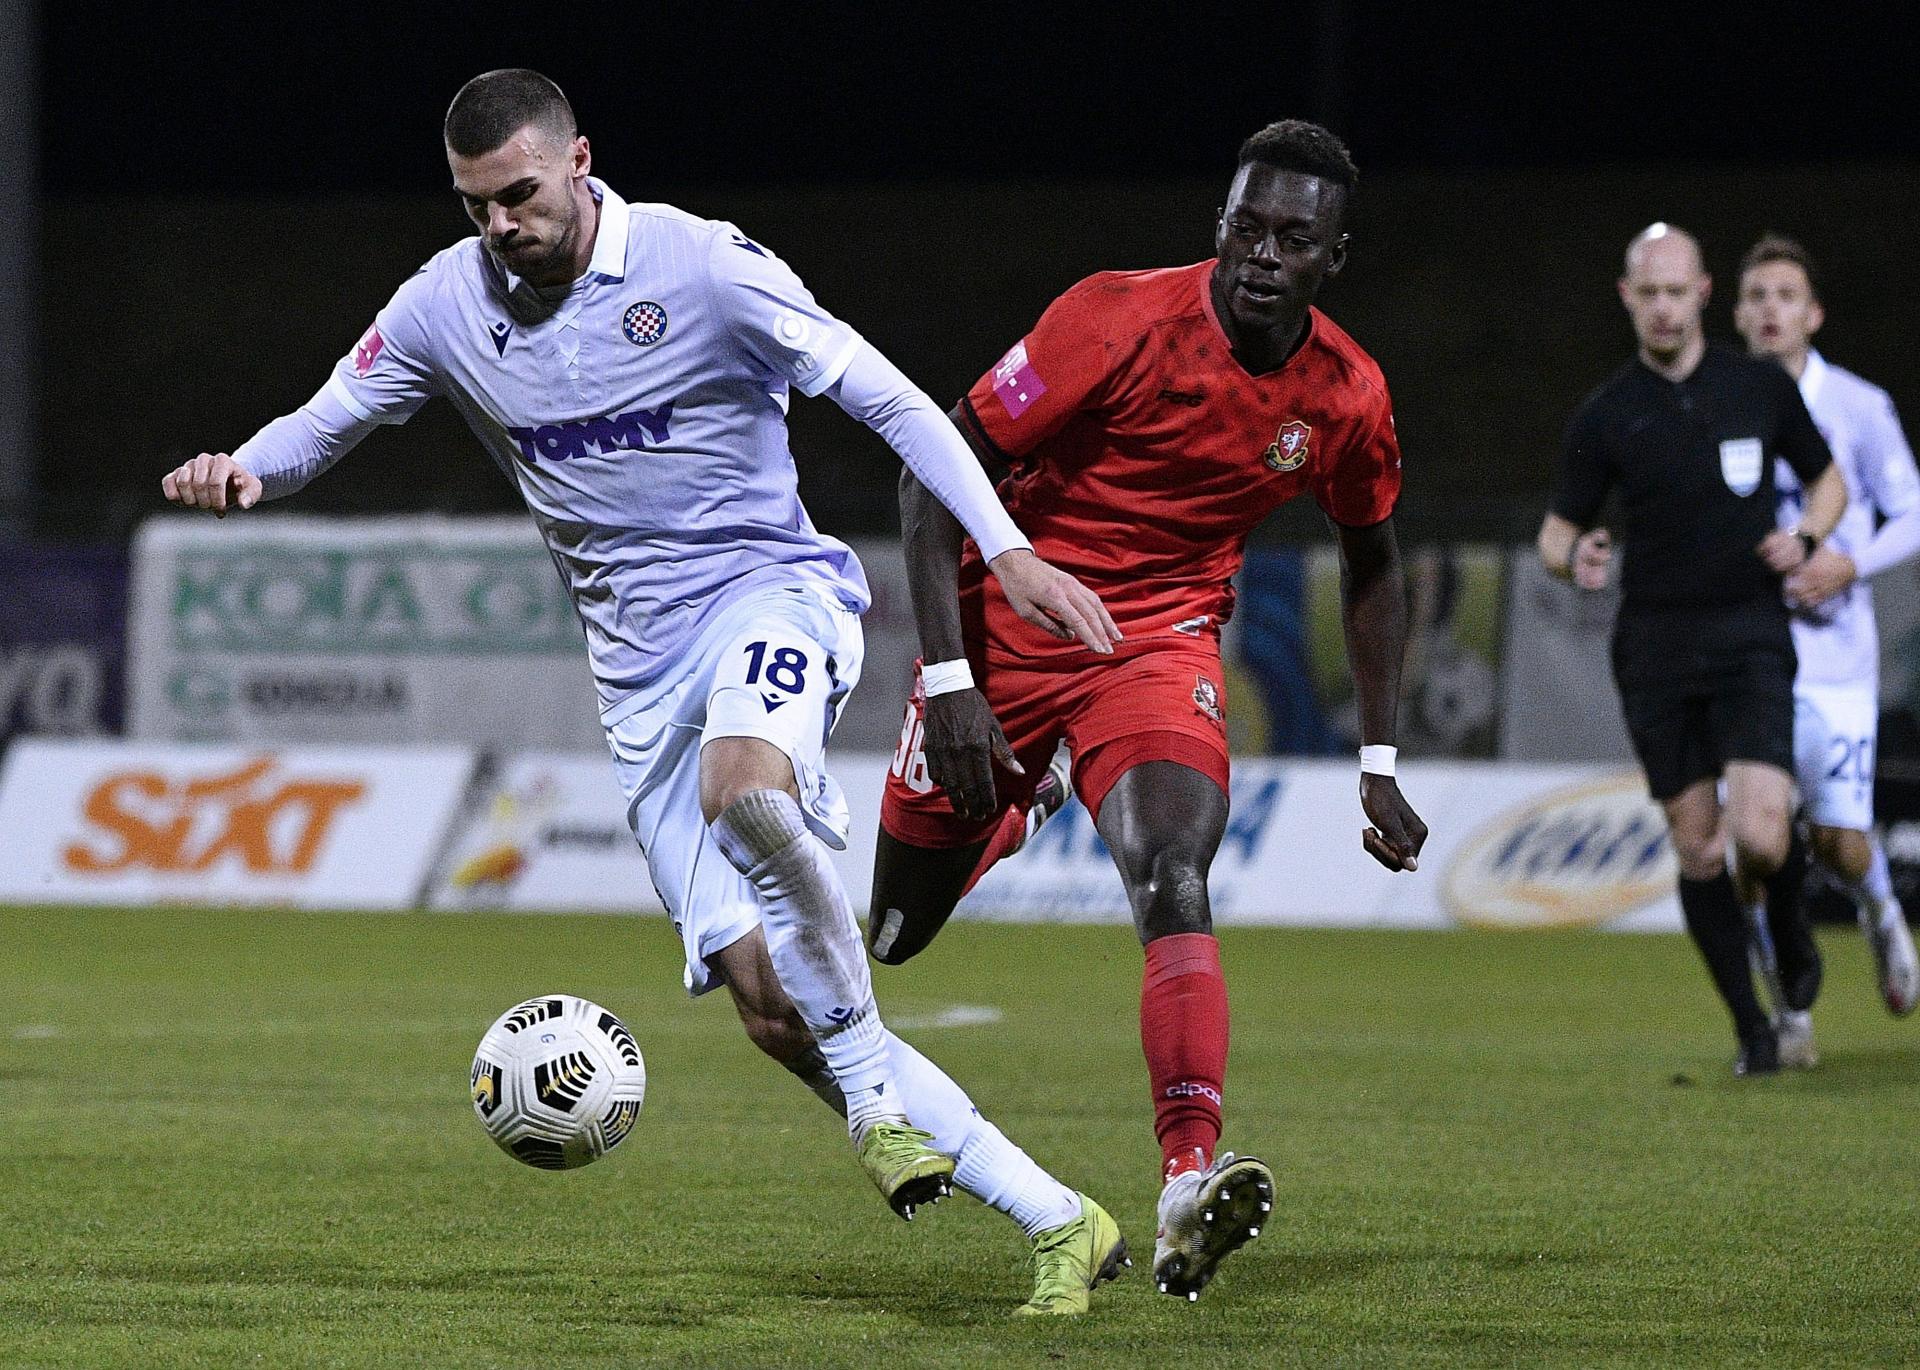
{"x":242,"y":1137}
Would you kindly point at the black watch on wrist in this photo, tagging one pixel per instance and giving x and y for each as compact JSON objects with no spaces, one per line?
{"x":1808,"y":542}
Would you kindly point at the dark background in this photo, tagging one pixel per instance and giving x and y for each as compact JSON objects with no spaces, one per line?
{"x":228,"y":196}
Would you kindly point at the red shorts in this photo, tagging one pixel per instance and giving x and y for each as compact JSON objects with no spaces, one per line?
{"x":1157,"y":700}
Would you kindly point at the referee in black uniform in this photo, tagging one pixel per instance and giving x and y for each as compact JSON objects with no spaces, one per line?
{"x":1688,"y":434}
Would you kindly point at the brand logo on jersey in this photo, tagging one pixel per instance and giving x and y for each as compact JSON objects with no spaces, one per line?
{"x":1289,"y":448}
{"x":634,"y":431}
{"x":1192,"y":626}
{"x":1206,"y":698}
{"x":1015,"y":381}
{"x":367,"y":351}
{"x":1740,"y":463}
{"x":1186,"y":399}
{"x":645,"y":323}
{"x":501,"y":332}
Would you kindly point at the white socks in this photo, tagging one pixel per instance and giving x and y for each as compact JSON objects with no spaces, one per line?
{"x":822,"y":964}
{"x":1877,"y":884}
{"x":815,"y":947}
{"x":986,"y":1165}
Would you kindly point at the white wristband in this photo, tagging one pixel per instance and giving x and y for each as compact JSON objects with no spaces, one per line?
{"x":944,"y":677}
{"x":1377,"y":760}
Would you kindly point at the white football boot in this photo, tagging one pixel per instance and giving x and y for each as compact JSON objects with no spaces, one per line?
{"x":1205,"y":1216}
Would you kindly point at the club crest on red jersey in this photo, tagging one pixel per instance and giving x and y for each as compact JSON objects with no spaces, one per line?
{"x":1206,"y":698}
{"x":1289,"y":448}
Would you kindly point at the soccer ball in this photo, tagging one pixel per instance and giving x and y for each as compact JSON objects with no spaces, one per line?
{"x":558,"y":1082}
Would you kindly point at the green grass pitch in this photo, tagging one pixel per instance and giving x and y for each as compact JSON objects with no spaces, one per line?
{"x":242,"y":1138}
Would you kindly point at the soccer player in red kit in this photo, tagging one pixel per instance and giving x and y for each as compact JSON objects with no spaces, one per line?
{"x":1149,"y":422}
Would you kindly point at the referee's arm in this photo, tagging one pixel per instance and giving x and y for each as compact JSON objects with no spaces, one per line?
{"x":1788,"y":549}
{"x":1569,"y":547}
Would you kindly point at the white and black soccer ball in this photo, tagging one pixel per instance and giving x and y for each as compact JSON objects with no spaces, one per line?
{"x":558,"y":1082}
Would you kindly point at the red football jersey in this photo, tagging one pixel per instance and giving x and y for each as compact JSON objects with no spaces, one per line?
{"x":1143,"y":454}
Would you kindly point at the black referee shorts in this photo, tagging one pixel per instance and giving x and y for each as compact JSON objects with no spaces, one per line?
{"x":1704,"y":686}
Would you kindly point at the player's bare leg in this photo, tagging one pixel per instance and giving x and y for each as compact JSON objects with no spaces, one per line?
{"x":914,"y":893}
{"x":1856,"y":860}
{"x":915,"y":889}
{"x":1163,"y":822}
{"x":751,"y":802}
{"x":1076,"y":1246}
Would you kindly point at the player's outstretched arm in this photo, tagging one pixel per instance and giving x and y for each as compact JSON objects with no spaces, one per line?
{"x":874,"y":391}
{"x":276,"y":461}
{"x":963,"y":740}
{"x":1373,"y":601}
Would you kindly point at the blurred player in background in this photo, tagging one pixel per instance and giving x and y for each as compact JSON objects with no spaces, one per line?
{"x":628,"y":366}
{"x":1836,"y":695}
{"x":1689,"y":432}
{"x":1150,"y":420}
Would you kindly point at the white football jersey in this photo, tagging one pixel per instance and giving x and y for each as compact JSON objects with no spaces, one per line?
{"x":1838,"y":641}
{"x":642,"y":413}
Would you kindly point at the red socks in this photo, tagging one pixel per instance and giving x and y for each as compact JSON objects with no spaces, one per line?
{"x":1005,"y":841}
{"x":1183,"y":1030}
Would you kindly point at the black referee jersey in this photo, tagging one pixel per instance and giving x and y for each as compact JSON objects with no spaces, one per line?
{"x":1693,"y":461}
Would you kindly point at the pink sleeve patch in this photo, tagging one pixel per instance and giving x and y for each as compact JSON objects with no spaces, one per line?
{"x":1016,"y":383}
{"x":367,"y":350}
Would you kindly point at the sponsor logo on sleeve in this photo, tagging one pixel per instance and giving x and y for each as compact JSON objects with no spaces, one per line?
{"x":1016,"y":383}
{"x":367,"y":351}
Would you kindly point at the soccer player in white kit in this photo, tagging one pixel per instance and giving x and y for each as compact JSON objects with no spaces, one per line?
{"x":1837,"y":687}
{"x":628,"y":366}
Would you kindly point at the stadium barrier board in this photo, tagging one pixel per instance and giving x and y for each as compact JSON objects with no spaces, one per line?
{"x":545,"y":831}
{"x":95,"y":821}
{"x":63,"y":628}
{"x":114,"y":822}
{"x":295,"y":628}
{"x":291,"y":628}
{"x":1514,"y":846}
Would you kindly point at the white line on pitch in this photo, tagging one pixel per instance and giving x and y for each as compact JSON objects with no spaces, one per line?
{"x":952,"y":1016}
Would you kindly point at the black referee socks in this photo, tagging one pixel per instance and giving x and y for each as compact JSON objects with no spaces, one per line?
{"x":1712,"y":911}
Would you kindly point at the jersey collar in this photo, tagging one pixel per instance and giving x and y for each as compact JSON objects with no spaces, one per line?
{"x":1813,"y":376}
{"x":1213,"y":317}
{"x":610,"y":239}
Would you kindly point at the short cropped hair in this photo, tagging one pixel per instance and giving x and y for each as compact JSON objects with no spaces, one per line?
{"x":492,"y":106}
{"x":1299,"y":146}
{"x":1776,"y":247}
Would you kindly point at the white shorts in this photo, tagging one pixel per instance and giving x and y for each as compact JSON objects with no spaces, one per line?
{"x":1835,"y":732}
{"x":778,"y":665}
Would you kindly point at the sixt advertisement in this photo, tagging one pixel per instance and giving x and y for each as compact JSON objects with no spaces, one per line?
{"x":113,"y":822}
